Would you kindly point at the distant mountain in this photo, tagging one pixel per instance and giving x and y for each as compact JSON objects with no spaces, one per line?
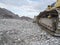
{"x":26,"y":18}
{"x":4,"y":13}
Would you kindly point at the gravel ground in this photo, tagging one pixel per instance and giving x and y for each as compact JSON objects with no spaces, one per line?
{"x":21,"y":32}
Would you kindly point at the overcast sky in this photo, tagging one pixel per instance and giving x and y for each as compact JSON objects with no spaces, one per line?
{"x":28,"y":8}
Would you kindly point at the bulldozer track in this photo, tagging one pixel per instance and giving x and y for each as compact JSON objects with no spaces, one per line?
{"x":48,"y":30}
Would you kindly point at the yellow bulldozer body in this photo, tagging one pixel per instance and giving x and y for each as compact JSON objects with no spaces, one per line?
{"x":50,"y":19}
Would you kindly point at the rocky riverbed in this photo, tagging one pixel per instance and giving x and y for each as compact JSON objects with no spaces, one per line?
{"x":22,"y":32}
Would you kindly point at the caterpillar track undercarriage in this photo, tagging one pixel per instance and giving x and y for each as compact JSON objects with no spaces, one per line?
{"x":50,"y":19}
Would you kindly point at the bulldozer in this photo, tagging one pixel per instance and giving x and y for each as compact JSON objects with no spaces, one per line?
{"x":50,"y":19}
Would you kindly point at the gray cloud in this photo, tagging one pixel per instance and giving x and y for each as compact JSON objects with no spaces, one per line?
{"x":14,"y":2}
{"x":25,"y":7}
